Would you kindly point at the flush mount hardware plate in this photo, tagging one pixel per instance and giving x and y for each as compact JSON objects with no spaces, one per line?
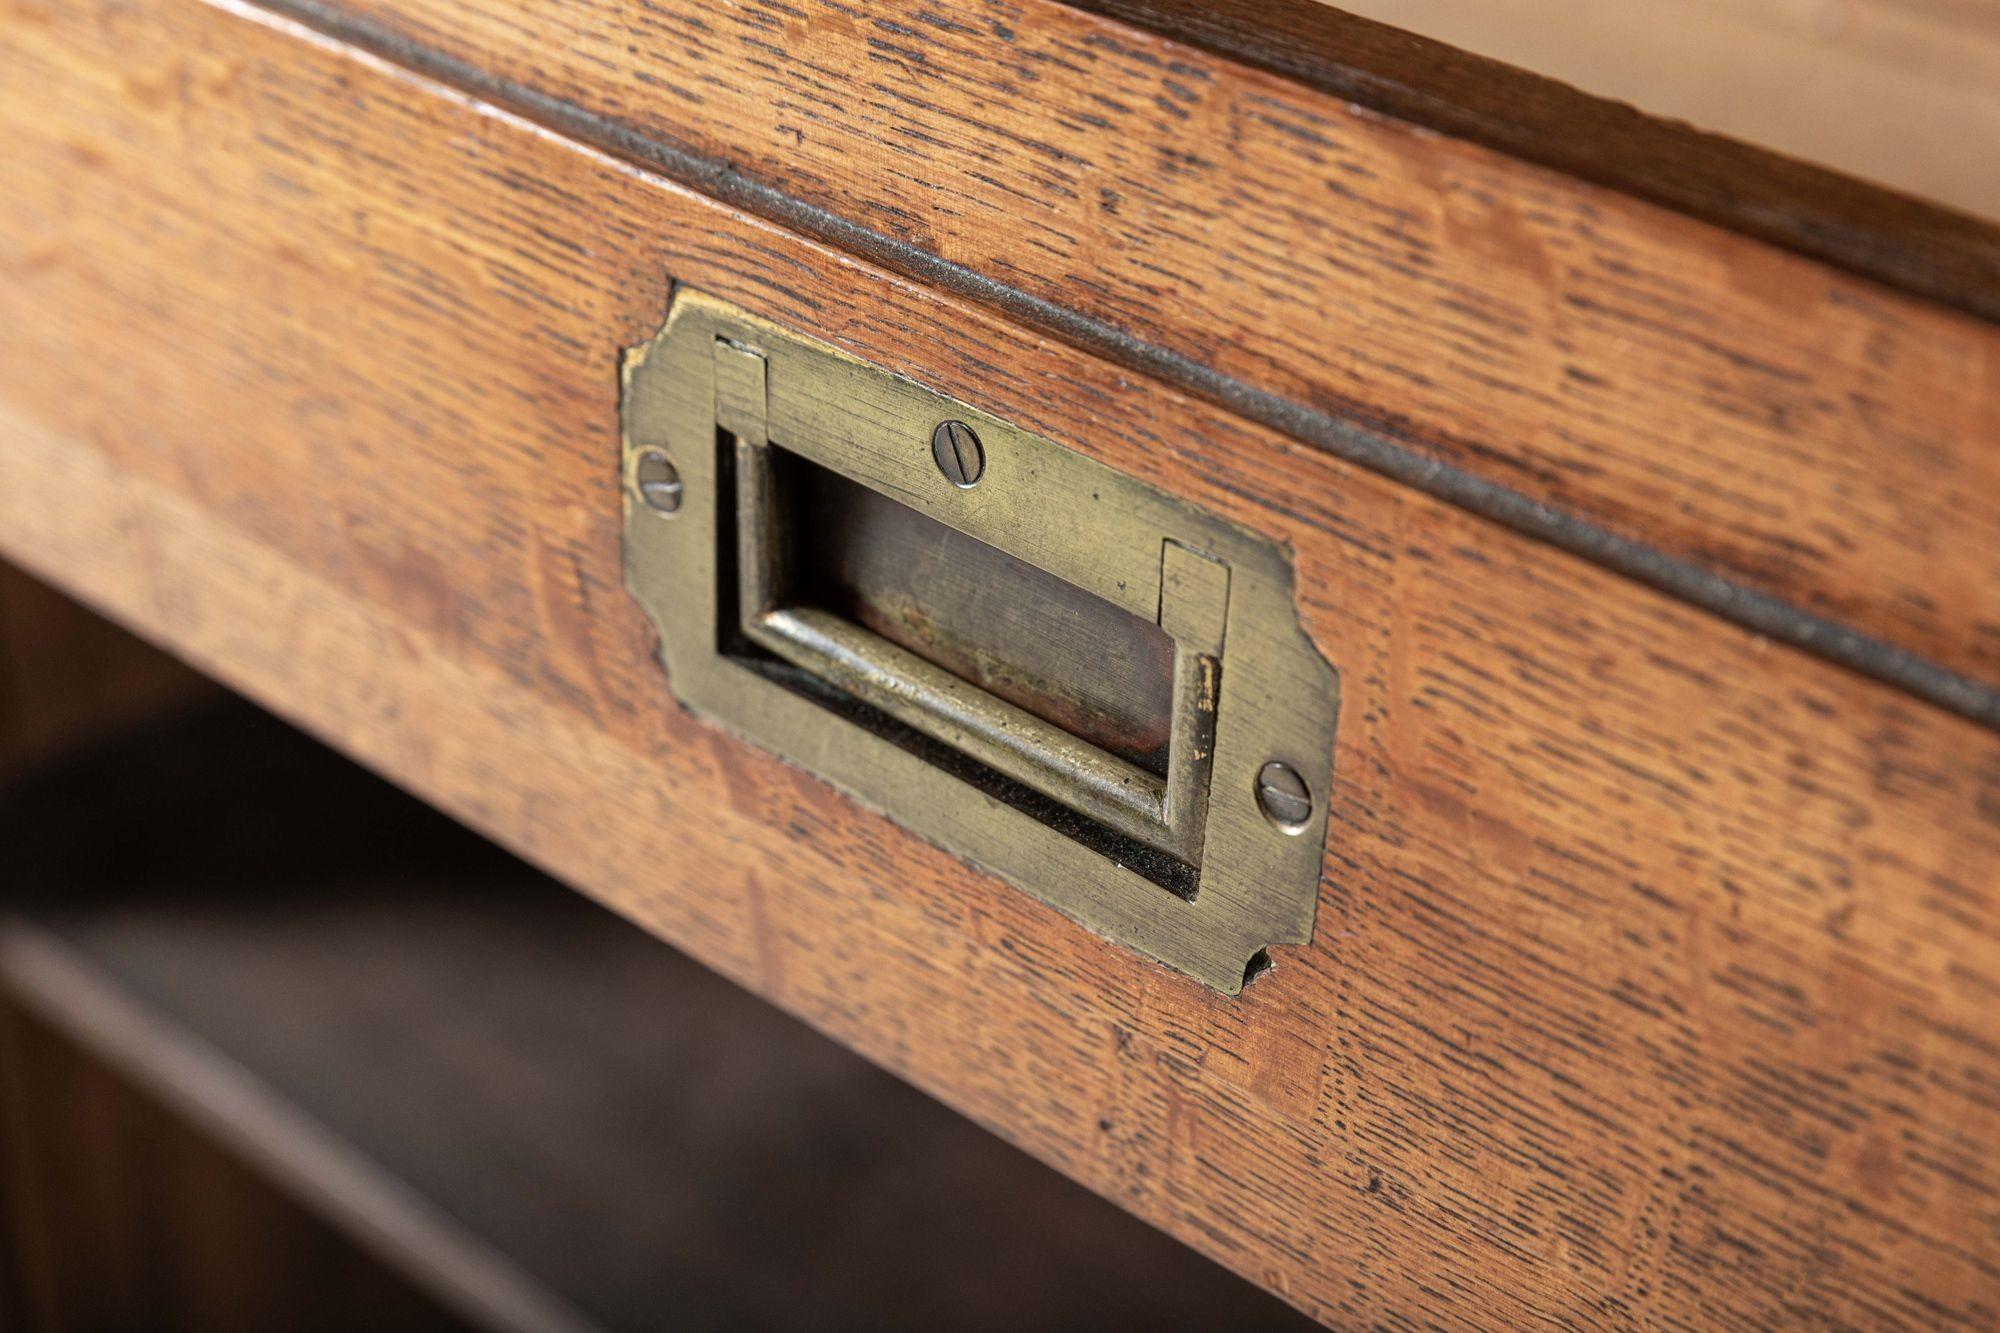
{"x":1049,"y":668}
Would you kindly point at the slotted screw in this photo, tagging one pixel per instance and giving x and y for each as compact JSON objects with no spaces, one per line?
{"x":958,"y":453}
{"x":659,"y":482}
{"x":1283,"y":796}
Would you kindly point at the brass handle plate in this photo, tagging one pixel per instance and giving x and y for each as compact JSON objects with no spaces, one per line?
{"x":812,"y":537}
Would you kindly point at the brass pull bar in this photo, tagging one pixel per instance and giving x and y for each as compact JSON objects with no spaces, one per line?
{"x":1058,"y":672}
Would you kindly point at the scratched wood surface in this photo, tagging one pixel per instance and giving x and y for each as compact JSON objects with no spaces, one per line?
{"x":1657,"y":967}
{"x":1798,"y":430}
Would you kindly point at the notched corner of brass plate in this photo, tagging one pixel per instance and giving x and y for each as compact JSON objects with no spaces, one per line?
{"x":1059,"y":672}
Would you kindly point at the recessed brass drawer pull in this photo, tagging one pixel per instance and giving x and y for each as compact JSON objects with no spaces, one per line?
{"x":1046,"y":666}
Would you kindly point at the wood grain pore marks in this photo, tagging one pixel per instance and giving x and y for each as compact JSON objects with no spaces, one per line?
{"x":1655,"y":968}
{"x":1693,"y":390}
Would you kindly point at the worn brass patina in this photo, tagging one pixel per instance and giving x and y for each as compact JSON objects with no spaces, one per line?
{"x":1174,"y":854}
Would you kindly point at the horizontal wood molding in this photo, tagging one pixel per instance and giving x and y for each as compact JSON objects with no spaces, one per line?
{"x":1743,"y":427}
{"x":1656,"y":968}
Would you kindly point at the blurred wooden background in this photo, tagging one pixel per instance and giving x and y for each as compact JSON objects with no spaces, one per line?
{"x":67,"y":674}
{"x":1905,"y":93}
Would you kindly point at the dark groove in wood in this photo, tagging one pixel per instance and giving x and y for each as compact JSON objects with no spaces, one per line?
{"x":1735,"y":602}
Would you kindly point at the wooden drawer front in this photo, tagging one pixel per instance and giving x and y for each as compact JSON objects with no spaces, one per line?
{"x":1655,"y":973}
{"x":1694,"y":405}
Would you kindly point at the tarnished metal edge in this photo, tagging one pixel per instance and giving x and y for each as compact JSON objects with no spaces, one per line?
{"x":1258,"y":886}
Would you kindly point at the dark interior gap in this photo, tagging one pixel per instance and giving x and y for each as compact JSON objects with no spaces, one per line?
{"x":1018,"y":632}
{"x":1170,"y":873}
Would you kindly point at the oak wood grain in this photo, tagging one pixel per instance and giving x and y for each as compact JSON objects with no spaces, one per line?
{"x":1925,"y":245}
{"x":1758,"y":415}
{"x":1657,"y":967}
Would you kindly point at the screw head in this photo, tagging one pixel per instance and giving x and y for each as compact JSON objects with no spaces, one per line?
{"x":1284,"y":797}
{"x":958,"y":453}
{"x":658,"y":482}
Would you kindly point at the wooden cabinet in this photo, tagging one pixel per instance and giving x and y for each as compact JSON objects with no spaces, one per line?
{"x":1642,"y":490}
{"x":281,"y":1048}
